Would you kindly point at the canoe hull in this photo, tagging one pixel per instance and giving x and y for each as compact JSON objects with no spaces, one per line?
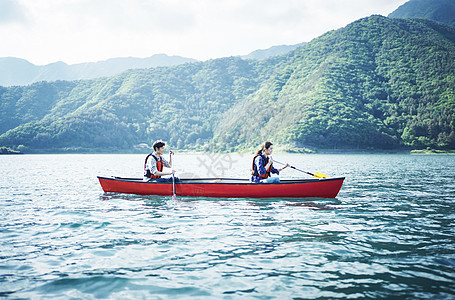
{"x":320,"y":188}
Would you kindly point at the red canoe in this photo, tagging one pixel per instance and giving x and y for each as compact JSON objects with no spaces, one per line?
{"x":226,"y":187}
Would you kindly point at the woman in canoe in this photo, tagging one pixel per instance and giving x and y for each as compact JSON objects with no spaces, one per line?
{"x":154,"y":163}
{"x":263,"y":166}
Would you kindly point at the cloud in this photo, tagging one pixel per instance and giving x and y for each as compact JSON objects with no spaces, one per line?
{"x":45,"y":31}
{"x":132,"y":16}
{"x":10,"y":12}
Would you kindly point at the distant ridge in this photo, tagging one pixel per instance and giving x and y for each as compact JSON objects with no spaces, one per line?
{"x":437,"y":10}
{"x":18,"y":71}
{"x":272,"y":51}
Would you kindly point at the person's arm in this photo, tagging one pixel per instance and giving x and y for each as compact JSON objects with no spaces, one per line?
{"x":281,"y":169}
{"x":273,"y":170}
{"x":171,"y":154}
{"x":158,"y":173}
{"x":167,"y":165}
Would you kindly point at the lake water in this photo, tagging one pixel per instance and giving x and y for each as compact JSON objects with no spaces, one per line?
{"x":390,"y":233}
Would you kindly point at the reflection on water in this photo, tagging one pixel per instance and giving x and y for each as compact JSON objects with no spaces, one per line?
{"x":389,"y":234}
{"x":162,"y":201}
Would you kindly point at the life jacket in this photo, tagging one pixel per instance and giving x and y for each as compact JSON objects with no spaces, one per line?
{"x":159,"y":167}
{"x":254,"y":168}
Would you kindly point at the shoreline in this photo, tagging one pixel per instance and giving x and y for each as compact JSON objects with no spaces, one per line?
{"x":287,"y":151}
{"x":8,"y":151}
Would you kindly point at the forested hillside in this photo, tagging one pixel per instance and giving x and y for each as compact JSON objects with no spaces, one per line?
{"x":377,"y":83}
{"x":179,"y":104}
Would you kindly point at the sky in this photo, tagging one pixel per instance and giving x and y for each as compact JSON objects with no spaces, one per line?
{"x":76,"y":31}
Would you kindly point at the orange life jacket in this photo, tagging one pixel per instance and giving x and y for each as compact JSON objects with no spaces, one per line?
{"x":159,"y":167}
{"x":254,"y":168}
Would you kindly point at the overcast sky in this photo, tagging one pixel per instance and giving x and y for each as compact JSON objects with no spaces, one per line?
{"x":74,"y":31}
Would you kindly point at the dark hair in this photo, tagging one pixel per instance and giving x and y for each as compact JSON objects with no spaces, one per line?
{"x":158,"y":144}
{"x":265,"y":146}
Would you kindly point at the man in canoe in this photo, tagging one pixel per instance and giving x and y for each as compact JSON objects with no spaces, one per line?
{"x":154,"y":163}
{"x":263,"y":166}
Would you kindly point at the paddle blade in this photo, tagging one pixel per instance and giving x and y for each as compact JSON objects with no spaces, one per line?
{"x":320,"y":175}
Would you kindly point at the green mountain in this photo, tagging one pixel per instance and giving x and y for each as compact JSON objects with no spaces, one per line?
{"x":437,"y":10}
{"x":180,"y":104}
{"x":377,"y":83}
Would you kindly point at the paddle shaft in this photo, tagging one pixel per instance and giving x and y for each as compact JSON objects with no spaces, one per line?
{"x":296,"y":169}
{"x":173,"y":187}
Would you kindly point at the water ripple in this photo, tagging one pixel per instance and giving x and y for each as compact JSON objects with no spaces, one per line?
{"x":389,"y":234}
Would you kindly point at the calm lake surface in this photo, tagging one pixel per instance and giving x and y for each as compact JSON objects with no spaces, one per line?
{"x":390,"y":233}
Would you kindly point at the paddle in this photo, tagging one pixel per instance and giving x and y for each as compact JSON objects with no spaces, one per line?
{"x":174,"y":197}
{"x":317,"y":175}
